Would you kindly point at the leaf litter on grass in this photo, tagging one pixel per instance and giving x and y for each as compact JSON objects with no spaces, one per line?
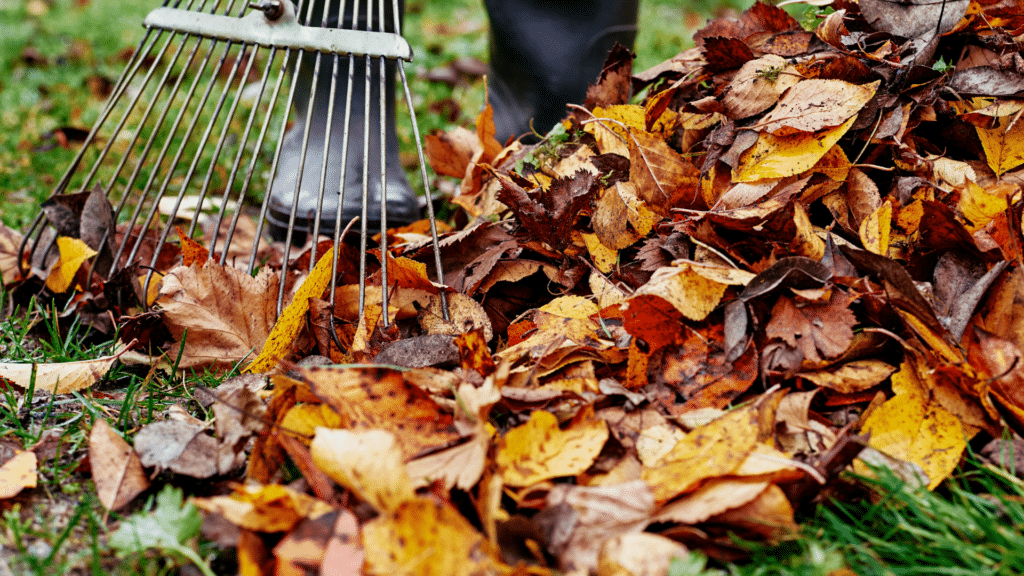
{"x":676,"y":321}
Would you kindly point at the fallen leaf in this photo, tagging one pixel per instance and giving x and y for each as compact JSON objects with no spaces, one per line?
{"x":758,"y":85}
{"x":18,"y":473}
{"x":813,"y":105}
{"x":913,"y":427}
{"x":204,"y":303}
{"x":293,"y":317}
{"x":73,"y":253}
{"x":638,"y":554}
{"x":1003,"y":144}
{"x":712,"y":450}
{"x":116,"y":469}
{"x":381,"y":398}
{"x":422,"y":537}
{"x":851,"y":377}
{"x":368,"y":462}
{"x":271,"y":508}
{"x":814,"y":327}
{"x":875,"y":230}
{"x":715,"y":497}
{"x":539,"y":449}
{"x":581,"y":518}
{"x":60,"y":377}
{"x":778,"y":156}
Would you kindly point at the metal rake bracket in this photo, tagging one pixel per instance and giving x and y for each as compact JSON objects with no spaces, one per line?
{"x":274,"y":24}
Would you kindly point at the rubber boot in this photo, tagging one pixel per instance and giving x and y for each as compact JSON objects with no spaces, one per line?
{"x":403,"y":205}
{"x":544,"y":53}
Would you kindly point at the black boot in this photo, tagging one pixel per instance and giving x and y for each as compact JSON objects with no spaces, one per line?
{"x":544,"y":53}
{"x":403,"y":206}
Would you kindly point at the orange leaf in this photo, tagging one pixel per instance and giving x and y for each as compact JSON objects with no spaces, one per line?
{"x":192,"y":251}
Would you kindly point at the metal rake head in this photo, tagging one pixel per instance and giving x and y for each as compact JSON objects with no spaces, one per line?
{"x":197,"y":122}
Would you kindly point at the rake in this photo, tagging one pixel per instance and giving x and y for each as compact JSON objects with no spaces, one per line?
{"x":183,"y":126}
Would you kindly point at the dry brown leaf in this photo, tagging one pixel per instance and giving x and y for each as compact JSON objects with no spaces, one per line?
{"x":204,"y":302}
{"x":851,"y":377}
{"x":758,"y":85}
{"x":116,"y":469}
{"x":10,"y":257}
{"x":813,"y":105}
{"x":814,"y":327}
{"x":715,"y":497}
{"x":583,"y":517}
{"x":638,"y":554}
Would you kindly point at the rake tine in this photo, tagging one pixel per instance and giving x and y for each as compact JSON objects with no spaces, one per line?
{"x":423,"y":173}
{"x":149,"y":144}
{"x":302,"y":158}
{"x":129,"y":72}
{"x":383,"y":172}
{"x":224,"y":127}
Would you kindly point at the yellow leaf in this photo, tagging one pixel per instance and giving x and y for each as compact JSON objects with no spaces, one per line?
{"x":979,"y":205}
{"x":539,"y":449}
{"x":874,"y":230}
{"x":1003,"y":144}
{"x":17,"y":474}
{"x":691,"y":293}
{"x":806,"y":241}
{"x":603,"y":257}
{"x":304,"y":419}
{"x":424,"y":537}
{"x":775,"y":156}
{"x":270,"y":508}
{"x":571,"y":307}
{"x":912,"y":427}
{"x":368,"y":462}
{"x":283,"y":334}
{"x":73,"y":252}
{"x":712,"y":450}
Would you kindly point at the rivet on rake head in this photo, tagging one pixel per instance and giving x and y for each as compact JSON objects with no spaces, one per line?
{"x":272,"y":9}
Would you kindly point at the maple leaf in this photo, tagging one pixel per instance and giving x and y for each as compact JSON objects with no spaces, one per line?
{"x":548,"y":215}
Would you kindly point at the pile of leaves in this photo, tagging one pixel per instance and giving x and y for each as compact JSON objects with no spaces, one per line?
{"x":667,"y":324}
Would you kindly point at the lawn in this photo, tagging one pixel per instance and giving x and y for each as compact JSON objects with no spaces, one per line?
{"x":57,"y":60}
